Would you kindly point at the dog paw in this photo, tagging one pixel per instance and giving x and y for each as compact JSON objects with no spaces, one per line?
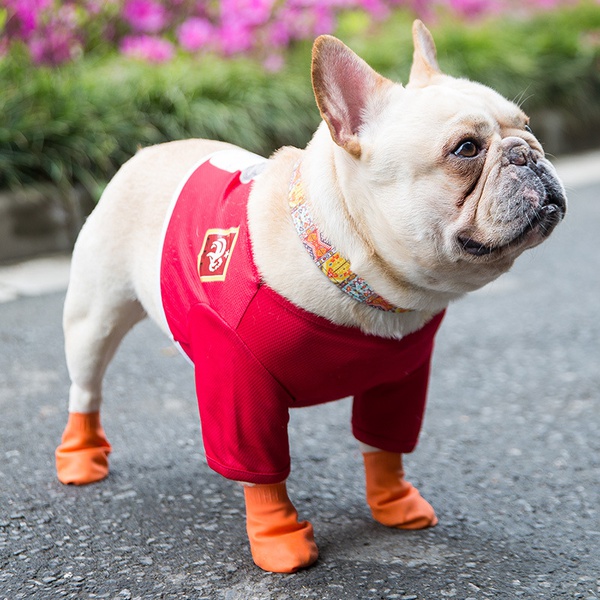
{"x":82,"y":457}
{"x":278,"y":541}
{"x":394,"y":502}
{"x":409,"y":511}
{"x":285,"y":551}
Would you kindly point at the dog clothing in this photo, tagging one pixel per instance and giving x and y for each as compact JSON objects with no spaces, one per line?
{"x":256,"y":355}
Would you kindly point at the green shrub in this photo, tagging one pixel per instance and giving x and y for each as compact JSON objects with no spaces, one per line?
{"x":75,"y":125}
{"x":78,"y":123}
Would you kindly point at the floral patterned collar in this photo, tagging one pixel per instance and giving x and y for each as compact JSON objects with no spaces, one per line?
{"x":326,"y":257}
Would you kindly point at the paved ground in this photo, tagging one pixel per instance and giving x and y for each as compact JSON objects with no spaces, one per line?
{"x":510,"y":457}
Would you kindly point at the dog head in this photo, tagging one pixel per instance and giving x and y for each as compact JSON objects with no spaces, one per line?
{"x":445,"y":177}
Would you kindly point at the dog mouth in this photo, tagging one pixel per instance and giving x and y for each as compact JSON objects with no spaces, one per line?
{"x":544,"y":220}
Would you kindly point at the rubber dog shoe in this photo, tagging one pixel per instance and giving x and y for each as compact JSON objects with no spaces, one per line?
{"x":82,"y":456}
{"x":394,"y":502}
{"x":278,"y":542}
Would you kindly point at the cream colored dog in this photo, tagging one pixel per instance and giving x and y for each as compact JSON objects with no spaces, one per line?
{"x":430,"y":191}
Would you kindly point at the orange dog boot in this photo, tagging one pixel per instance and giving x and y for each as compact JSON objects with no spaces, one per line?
{"x":393,"y":500}
{"x":82,"y":456}
{"x":279,"y":543}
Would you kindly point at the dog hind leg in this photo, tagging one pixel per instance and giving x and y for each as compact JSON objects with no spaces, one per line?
{"x":95,"y":322}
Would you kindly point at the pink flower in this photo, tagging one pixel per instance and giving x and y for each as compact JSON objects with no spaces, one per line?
{"x":307,"y":21}
{"x":145,"y":15}
{"x":52,"y":49}
{"x":279,"y":34}
{"x":298,"y":25}
{"x":23,"y":16}
{"x":195,"y":33}
{"x":547,"y":4}
{"x":235,"y":37}
{"x":94,"y":7}
{"x":472,"y":8}
{"x":251,"y":12}
{"x":147,"y":47}
{"x":56,"y":40}
{"x":324,"y":20}
{"x":376,"y":8}
{"x":273,"y":63}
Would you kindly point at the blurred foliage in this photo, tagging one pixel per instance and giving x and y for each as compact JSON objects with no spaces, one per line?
{"x":75,"y":125}
{"x":78,"y":123}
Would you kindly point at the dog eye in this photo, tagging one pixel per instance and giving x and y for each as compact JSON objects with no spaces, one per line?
{"x":467,"y":149}
{"x":528,"y":129}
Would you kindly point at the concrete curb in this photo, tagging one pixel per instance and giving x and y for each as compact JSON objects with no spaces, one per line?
{"x":41,"y":220}
{"x":34,"y":277}
{"x":49,"y":274}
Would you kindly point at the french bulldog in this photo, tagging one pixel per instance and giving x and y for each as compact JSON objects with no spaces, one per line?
{"x":310,"y":276}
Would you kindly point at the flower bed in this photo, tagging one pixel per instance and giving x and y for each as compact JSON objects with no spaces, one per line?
{"x":57,"y":31}
{"x":75,"y":123}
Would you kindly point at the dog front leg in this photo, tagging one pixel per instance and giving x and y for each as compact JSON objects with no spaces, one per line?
{"x":389,"y":416}
{"x":244,"y":412}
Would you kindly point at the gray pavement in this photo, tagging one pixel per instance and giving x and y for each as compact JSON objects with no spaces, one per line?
{"x":509,"y":456}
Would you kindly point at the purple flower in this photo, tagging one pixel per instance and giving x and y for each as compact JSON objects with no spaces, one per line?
{"x":145,"y":15}
{"x":147,"y":47}
{"x":195,"y":33}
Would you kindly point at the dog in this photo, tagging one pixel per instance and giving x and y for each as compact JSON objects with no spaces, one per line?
{"x":309,"y":276}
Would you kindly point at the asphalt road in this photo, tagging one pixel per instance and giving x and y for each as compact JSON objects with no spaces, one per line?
{"x":509,"y":456}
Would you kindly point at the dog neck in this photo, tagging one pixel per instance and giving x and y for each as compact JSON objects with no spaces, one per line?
{"x":324,"y":254}
{"x":286,"y":267}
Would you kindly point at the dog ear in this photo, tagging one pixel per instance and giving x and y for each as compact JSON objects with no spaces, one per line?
{"x":425,"y":65}
{"x":343,"y":83}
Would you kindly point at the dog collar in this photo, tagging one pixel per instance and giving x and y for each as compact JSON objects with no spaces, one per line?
{"x":326,"y":257}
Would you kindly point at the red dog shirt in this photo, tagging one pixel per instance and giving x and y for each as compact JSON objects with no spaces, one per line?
{"x":256,"y":355}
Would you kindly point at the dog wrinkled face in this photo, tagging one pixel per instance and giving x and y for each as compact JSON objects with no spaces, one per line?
{"x":479,"y":183}
{"x":510,"y":196}
{"x":523,"y":206}
{"x":445,"y":172}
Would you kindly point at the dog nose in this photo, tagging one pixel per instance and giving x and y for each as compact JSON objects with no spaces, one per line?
{"x":517,"y":151}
